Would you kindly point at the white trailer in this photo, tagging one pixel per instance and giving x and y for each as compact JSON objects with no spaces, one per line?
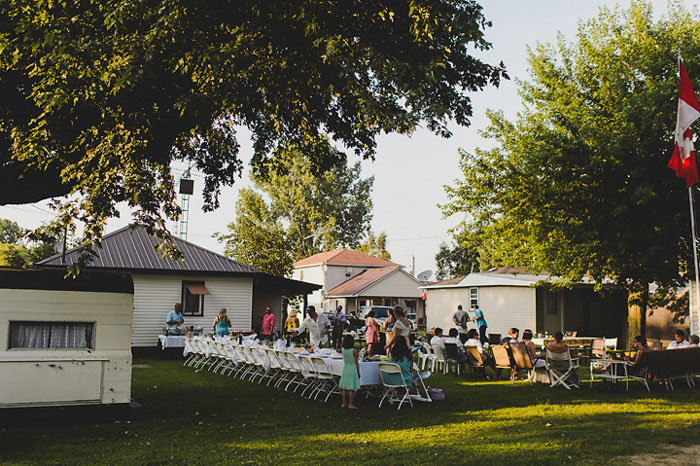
{"x":64,"y":341}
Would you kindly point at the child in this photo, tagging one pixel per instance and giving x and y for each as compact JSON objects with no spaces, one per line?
{"x":350,"y":380}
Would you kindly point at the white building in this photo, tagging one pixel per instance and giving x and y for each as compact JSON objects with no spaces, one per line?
{"x":511,"y":297}
{"x":67,"y":340}
{"x":353,"y":280}
{"x":204,"y":282}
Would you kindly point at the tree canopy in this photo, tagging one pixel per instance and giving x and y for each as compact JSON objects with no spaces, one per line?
{"x":578,"y":184}
{"x":293,"y":213}
{"x":98,"y":97}
{"x":459,"y":258}
{"x":10,"y":232}
{"x":375,"y":245}
{"x":18,"y":251}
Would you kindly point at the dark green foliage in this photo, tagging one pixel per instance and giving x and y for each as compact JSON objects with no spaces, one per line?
{"x":99,"y":97}
{"x":579,"y":184}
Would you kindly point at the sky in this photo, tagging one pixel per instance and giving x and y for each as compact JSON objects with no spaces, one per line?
{"x":410,"y":172}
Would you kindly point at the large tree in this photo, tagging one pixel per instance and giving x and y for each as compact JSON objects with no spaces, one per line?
{"x":98,"y":97}
{"x":293,"y":212}
{"x":461,"y":257}
{"x":375,"y":245}
{"x":579,"y":184}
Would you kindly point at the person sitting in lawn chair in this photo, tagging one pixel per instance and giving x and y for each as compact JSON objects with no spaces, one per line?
{"x":558,"y":346}
{"x":461,"y":352}
{"x":401,"y":356}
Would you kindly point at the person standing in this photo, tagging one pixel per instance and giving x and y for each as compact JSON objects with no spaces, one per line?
{"x":372,"y":333}
{"x":222,"y":323}
{"x":350,"y":379}
{"x":292,"y":321}
{"x":460,"y":318}
{"x":268,"y":325}
{"x":480,"y":323}
{"x":339,"y":320}
{"x":175,"y":317}
{"x":317,"y":325}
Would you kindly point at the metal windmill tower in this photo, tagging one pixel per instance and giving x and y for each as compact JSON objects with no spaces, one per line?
{"x":185,"y":191}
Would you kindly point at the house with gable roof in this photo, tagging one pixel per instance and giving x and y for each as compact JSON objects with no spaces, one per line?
{"x":204,"y":282}
{"x":354,"y":280}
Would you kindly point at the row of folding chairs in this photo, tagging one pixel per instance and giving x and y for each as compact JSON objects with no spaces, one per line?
{"x":282,"y":369}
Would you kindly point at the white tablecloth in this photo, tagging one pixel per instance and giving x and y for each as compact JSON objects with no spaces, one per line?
{"x":369,"y":370}
{"x":172,"y":341}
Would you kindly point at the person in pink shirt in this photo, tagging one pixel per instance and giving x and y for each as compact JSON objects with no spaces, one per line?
{"x":268,"y":325}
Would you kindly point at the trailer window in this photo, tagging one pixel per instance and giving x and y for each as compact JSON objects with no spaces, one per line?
{"x":52,"y":335}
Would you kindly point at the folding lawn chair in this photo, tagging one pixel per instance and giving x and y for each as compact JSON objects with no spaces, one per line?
{"x":559,"y":376}
{"x":391,"y":389}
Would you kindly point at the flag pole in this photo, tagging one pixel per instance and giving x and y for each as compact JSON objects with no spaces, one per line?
{"x":695,"y":259}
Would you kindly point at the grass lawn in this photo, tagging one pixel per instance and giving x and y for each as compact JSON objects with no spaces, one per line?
{"x":204,"y":418}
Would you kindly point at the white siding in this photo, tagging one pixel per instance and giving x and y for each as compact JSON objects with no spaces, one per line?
{"x":507,"y":306}
{"x":155,"y":296}
{"x":396,"y":285}
{"x":54,"y":377}
{"x":503,"y":306}
{"x":313,"y":274}
{"x":336,"y":274}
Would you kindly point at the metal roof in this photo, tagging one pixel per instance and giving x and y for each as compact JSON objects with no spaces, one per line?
{"x":132,"y":248}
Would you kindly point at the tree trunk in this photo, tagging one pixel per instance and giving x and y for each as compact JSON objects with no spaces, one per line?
{"x":637,"y":298}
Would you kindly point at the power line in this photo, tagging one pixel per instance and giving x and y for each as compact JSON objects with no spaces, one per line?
{"x":417,"y":238}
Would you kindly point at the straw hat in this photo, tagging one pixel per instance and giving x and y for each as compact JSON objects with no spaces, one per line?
{"x":291,"y":312}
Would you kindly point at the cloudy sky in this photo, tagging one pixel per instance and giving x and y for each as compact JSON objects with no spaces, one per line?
{"x":410,"y":171}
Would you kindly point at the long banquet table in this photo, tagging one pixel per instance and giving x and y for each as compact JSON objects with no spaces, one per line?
{"x":369,"y":370}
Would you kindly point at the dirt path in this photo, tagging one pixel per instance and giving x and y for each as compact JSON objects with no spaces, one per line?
{"x":667,"y":454}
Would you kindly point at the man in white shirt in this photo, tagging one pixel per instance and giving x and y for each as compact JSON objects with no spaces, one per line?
{"x":437,"y":339}
{"x":680,"y":341}
{"x":317,"y":325}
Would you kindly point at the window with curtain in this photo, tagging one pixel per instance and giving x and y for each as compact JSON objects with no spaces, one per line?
{"x":51,"y":335}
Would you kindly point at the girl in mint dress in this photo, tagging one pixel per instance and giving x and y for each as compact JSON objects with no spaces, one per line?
{"x":350,"y":380}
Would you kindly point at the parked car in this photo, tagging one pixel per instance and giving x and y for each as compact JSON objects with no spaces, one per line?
{"x":411,"y":316}
{"x":381,"y":313}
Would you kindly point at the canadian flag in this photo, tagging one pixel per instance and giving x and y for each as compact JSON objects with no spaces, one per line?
{"x":683,"y":158}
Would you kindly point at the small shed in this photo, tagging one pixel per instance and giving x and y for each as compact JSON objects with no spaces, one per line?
{"x":66,"y":341}
{"x":513,"y":297}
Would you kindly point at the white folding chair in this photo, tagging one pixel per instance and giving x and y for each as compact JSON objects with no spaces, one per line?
{"x":191,"y":352}
{"x":233,"y":361}
{"x":328,"y":382}
{"x":246,"y":364}
{"x":426,"y":355}
{"x":439,"y":359}
{"x":391,"y":389}
{"x":296,"y":370}
{"x":559,"y":376}
{"x":276,"y":370}
{"x":308,"y":371}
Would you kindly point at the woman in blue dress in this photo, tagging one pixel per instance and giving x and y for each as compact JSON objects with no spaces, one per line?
{"x":350,"y":380}
{"x":222,"y":323}
{"x":402,"y":357}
